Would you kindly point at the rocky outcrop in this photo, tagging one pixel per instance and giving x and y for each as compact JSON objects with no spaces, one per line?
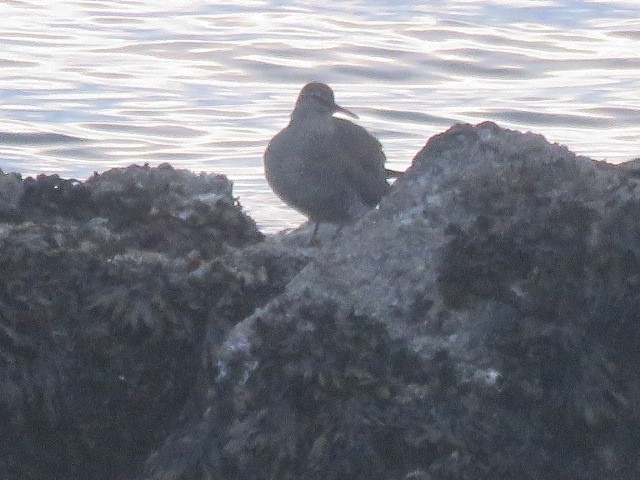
{"x":482,"y":323}
{"x":107,"y":289}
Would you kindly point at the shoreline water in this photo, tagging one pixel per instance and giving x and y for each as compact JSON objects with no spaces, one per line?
{"x":205,"y":86}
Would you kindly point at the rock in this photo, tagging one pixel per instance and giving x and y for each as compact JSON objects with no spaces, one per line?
{"x":160,"y":209}
{"x":108,"y":290}
{"x":11,"y":189}
{"x":482,"y":323}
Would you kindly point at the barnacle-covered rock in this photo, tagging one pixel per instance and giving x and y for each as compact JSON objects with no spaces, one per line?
{"x":482,"y":323}
{"x":111,"y":291}
{"x":162,"y":208}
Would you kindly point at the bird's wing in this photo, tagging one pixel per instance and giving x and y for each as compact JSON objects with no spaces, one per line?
{"x":363,"y":161}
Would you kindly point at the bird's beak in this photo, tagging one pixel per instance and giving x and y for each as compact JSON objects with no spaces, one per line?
{"x":338,"y":108}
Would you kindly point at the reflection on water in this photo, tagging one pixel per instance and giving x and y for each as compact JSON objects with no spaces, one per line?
{"x":86,"y":86}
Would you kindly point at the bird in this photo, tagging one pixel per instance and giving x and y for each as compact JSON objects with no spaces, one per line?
{"x":328,"y":168}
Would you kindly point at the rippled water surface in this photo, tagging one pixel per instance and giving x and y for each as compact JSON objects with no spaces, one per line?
{"x":89,"y":85}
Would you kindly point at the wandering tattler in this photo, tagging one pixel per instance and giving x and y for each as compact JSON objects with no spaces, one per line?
{"x":328,"y":168}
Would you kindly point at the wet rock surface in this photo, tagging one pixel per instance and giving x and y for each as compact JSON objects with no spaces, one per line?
{"x":482,"y":323}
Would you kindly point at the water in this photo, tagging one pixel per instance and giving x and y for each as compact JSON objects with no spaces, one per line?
{"x":90,"y":85}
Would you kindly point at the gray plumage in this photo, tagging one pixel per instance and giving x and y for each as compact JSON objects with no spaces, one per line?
{"x":328,"y":168}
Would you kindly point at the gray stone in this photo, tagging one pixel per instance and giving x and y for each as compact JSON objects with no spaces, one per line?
{"x":482,"y":323}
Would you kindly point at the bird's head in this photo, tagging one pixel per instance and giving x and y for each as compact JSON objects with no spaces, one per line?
{"x":319,"y":96}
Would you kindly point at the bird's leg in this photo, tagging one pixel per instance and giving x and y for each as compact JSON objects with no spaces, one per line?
{"x":312,"y":240}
